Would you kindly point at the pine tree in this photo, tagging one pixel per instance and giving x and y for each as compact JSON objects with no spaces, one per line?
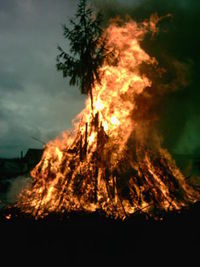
{"x":87,"y":49}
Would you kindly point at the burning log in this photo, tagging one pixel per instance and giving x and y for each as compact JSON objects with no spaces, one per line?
{"x":81,"y":148}
{"x":86,"y":139}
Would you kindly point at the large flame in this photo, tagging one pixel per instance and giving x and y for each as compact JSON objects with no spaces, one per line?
{"x":107,"y":163}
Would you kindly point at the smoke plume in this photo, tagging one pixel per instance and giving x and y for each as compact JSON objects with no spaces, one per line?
{"x":16,"y":187}
{"x":175,"y":90}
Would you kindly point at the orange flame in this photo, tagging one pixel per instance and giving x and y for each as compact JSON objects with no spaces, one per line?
{"x":103,"y":165}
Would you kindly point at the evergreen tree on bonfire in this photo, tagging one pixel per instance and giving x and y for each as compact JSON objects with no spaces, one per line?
{"x":88,"y":49}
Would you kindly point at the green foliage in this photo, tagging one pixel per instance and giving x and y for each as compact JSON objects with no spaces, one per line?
{"x":87,"y":49}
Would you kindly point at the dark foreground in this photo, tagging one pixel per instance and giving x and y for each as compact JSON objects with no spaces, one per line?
{"x":93,"y":240}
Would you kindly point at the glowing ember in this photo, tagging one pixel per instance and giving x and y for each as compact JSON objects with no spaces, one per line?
{"x":107,"y":164}
{"x":8,"y":217}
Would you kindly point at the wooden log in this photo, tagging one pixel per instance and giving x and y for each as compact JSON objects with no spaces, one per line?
{"x":96,"y":184}
{"x":81,"y":148}
{"x":96,"y":121}
{"x":96,"y":125}
{"x":106,"y":178}
{"x":86,"y":137}
{"x":119,"y":198}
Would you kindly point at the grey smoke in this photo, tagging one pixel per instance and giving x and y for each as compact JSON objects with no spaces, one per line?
{"x":176,"y":47}
{"x":14,"y":187}
{"x":17,"y":185}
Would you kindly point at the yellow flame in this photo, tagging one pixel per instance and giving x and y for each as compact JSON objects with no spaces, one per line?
{"x":107,"y":154}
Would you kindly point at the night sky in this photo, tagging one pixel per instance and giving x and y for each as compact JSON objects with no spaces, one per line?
{"x":35,"y":101}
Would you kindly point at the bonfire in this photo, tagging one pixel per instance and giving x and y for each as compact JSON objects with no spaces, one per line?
{"x":112,"y":162}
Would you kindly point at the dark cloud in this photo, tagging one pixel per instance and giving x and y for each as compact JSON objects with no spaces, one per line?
{"x":34,"y":98}
{"x":9,"y":81}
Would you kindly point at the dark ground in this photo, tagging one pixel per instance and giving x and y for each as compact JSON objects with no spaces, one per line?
{"x":93,"y":240}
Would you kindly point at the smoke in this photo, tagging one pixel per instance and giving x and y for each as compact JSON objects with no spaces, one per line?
{"x":17,"y":185}
{"x":175,"y":93}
